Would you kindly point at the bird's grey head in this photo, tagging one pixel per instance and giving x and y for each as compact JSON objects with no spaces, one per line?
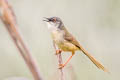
{"x":54,"y":23}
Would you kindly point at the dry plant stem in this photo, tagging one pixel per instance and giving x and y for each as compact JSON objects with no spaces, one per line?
{"x":8,"y":18}
{"x":60,"y":62}
{"x":27,"y":58}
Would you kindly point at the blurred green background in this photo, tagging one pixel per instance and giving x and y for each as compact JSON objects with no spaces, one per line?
{"x":95,"y":24}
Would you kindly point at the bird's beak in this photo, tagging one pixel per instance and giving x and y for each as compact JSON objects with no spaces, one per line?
{"x":46,"y":19}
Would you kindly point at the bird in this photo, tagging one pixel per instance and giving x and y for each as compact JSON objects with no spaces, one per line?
{"x":66,"y":42}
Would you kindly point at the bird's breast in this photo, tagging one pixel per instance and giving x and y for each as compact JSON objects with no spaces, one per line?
{"x":58,"y":36}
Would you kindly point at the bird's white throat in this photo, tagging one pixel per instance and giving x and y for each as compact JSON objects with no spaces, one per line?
{"x":51,"y":27}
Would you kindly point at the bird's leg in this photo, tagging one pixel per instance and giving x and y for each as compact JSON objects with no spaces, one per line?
{"x":62,"y":65}
{"x":58,"y":51}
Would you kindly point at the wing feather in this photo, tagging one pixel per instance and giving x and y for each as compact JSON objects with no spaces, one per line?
{"x":69,"y":37}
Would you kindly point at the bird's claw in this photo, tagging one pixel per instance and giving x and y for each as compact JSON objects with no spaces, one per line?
{"x":58,"y":52}
{"x":61,"y":66}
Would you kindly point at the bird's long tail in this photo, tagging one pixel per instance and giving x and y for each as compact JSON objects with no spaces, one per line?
{"x":100,"y":66}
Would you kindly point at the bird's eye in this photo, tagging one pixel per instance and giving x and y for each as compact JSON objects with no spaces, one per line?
{"x":54,"y":19}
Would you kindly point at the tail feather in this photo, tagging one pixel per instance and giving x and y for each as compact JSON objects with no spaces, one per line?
{"x":100,"y":66}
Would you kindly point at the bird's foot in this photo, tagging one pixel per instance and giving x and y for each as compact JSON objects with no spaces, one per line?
{"x":58,"y":52}
{"x":61,"y":66}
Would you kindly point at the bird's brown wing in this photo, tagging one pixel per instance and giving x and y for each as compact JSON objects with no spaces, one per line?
{"x":69,"y":37}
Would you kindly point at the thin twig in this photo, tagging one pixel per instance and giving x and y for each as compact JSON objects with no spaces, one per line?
{"x":8,"y":18}
{"x":59,"y":62}
{"x":61,"y":70}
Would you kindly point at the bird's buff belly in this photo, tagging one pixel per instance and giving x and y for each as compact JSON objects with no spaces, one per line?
{"x":66,"y":46}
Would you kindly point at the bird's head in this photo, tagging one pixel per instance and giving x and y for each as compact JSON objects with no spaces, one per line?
{"x":53,"y":22}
